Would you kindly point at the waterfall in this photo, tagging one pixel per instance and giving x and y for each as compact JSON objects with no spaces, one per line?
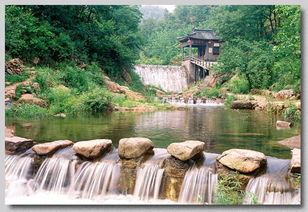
{"x":18,"y":173}
{"x":149,"y":176}
{"x":95,"y":179}
{"x":148,"y":182}
{"x":56,"y":173}
{"x":198,"y":186}
{"x":274,"y":187}
{"x":168,"y":78}
{"x":18,"y":167}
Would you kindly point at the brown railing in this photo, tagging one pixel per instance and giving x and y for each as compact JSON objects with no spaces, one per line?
{"x":202,"y":63}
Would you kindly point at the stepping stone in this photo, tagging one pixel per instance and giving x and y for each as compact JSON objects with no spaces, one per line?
{"x":295,"y":166}
{"x":17,"y":144}
{"x":92,"y":148}
{"x":185,"y":150}
{"x":51,"y":147}
{"x":134,"y":147}
{"x":242,"y":160}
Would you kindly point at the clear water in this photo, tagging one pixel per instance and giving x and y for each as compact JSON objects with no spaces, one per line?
{"x":218,"y":127}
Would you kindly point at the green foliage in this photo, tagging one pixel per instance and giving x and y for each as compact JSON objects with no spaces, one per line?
{"x":13,"y":78}
{"x":96,"y":100}
{"x":287,"y":67}
{"x":26,"y":111}
{"x":292,"y":113}
{"x":58,"y":98}
{"x":209,"y":93}
{"x":229,"y":190}
{"x":46,"y":78}
{"x":238,"y":85}
{"x":107,"y":34}
{"x":18,"y":91}
{"x":229,"y":100}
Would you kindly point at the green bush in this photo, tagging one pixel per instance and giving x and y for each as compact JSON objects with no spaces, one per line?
{"x":96,"y":100}
{"x":46,"y":78}
{"x":209,"y":93}
{"x":13,"y":78}
{"x":238,"y":85}
{"x":292,"y":114}
{"x":58,"y":99}
{"x":18,"y":91}
{"x":229,"y":100}
{"x":26,"y":111}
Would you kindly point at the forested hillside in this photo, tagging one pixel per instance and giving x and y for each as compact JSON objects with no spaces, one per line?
{"x":261,"y":43}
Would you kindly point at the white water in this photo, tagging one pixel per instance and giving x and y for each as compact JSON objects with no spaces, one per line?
{"x":272,"y":187}
{"x":198,"y":186}
{"x":198,"y":103}
{"x":149,"y":176}
{"x":168,"y":78}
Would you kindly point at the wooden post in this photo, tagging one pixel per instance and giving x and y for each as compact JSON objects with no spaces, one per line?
{"x":190,"y":50}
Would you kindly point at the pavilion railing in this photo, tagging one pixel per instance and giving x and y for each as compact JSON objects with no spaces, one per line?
{"x":202,"y":63}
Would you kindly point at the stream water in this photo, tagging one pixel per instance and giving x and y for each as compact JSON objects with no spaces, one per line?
{"x":219,"y":128}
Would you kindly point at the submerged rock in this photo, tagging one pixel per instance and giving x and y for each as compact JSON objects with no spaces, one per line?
{"x":50,"y":147}
{"x":17,"y":144}
{"x":185,"y":150}
{"x":242,"y":160}
{"x":296,"y":161}
{"x":293,"y":142}
{"x":283,"y":124}
{"x":134,"y":147}
{"x":92,"y":148}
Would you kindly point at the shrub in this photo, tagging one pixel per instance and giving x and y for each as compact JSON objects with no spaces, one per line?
{"x":47,"y":78}
{"x":209,"y":93}
{"x":96,"y":100}
{"x":13,"y":78}
{"x":58,"y":99}
{"x":238,"y":85}
{"x":292,"y":113}
{"x":26,"y":111}
{"x":229,"y":100}
{"x":18,"y":91}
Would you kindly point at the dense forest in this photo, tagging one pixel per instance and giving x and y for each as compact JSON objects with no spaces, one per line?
{"x":261,"y":43}
{"x":72,"y":46}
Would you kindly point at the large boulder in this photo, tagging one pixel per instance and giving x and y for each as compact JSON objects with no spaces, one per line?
{"x":185,"y":150}
{"x":17,"y":144}
{"x":243,"y":104}
{"x":92,"y":148}
{"x":285,"y":94}
{"x":134,"y":147}
{"x":295,"y":166}
{"x":29,"y":98}
{"x":242,"y":160}
{"x":283,"y":124}
{"x":51,"y":147}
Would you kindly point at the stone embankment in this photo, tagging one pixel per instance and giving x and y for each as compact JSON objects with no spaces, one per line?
{"x":133,"y":152}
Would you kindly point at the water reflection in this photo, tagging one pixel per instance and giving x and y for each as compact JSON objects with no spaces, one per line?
{"x":219,"y":128}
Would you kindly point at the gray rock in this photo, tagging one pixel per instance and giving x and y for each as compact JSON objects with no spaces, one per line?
{"x":51,"y":147}
{"x":185,"y":150}
{"x":295,"y":166}
{"x":134,"y":147}
{"x":243,"y":160}
{"x":16,"y":144}
{"x":92,"y":148}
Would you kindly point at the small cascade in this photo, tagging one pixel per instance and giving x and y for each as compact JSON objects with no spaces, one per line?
{"x":274,"y":187}
{"x":149,"y":176}
{"x":93,"y":180}
{"x":148,"y":182}
{"x":198,"y":186}
{"x":18,"y":167}
{"x":56,"y":173}
{"x":192,"y":102}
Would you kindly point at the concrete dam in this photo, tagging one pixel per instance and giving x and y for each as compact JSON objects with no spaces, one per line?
{"x":168,"y":78}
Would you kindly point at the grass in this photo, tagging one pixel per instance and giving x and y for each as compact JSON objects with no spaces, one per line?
{"x":230,"y":190}
{"x":26,"y":111}
{"x":14,"y":78}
